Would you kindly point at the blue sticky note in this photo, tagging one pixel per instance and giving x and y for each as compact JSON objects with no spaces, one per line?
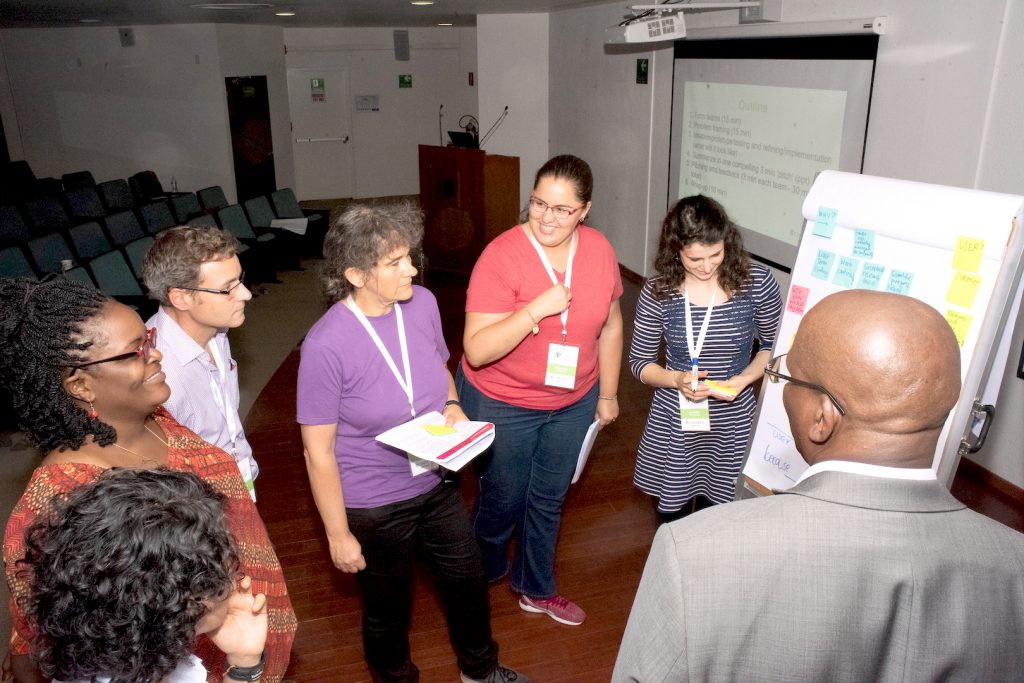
{"x":826,"y":223}
{"x":864,"y":243}
{"x":823,"y":264}
{"x":870,"y":276}
{"x":845,"y":271}
{"x":899,"y":282}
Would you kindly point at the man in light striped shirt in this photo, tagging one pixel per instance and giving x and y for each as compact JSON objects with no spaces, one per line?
{"x":196,"y":276}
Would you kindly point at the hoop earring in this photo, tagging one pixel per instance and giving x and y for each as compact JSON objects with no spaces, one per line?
{"x":93,"y":413}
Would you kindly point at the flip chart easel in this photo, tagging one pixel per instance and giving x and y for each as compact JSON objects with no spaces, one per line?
{"x":957,"y":250}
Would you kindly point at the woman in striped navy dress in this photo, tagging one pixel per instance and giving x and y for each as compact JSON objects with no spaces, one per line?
{"x":706,"y":304}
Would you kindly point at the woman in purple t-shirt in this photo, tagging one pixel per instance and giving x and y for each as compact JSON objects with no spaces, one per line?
{"x":372,"y":362}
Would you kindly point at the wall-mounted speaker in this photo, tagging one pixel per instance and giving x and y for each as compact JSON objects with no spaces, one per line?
{"x":402,"y":46}
{"x":127,"y":37}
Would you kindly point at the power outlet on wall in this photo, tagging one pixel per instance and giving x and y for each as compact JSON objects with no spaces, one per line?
{"x":769,"y":10}
{"x":127,"y":37}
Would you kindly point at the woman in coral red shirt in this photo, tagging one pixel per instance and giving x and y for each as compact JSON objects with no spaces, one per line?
{"x":543,"y":346}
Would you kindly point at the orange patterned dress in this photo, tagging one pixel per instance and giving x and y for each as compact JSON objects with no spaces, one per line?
{"x":186,"y":452}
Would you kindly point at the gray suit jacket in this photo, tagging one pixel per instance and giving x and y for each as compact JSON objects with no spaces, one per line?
{"x":842,"y":578}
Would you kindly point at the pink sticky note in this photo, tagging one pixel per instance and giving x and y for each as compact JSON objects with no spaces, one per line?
{"x":797,"y":299}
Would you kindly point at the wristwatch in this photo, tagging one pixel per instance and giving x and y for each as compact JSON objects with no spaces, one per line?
{"x":452,"y":402}
{"x":251,"y":674}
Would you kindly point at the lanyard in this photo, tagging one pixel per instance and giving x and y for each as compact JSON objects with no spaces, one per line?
{"x":551,"y":271}
{"x":230,"y":416}
{"x":695,"y":348}
{"x":406,"y":382}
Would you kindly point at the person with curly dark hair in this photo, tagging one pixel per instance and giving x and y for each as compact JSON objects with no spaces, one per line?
{"x":372,"y":362}
{"x":87,"y":386}
{"x":705,"y":304}
{"x":127,"y":571}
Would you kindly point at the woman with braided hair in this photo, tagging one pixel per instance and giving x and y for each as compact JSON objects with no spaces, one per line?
{"x":86,"y":384}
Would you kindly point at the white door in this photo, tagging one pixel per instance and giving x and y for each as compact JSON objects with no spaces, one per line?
{"x":321,"y":132}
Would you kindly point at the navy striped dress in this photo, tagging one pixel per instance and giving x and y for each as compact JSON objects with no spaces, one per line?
{"x":674,"y":465}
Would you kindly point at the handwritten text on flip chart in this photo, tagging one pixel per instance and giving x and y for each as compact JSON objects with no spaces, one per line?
{"x":968,"y":252}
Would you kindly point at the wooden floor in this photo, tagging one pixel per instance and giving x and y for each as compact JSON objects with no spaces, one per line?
{"x":606,"y":532}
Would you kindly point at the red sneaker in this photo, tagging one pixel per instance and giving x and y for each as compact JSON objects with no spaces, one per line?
{"x":562,"y":610}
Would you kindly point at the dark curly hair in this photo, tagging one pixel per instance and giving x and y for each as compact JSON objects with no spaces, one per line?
{"x":361,"y":237}
{"x":44,"y":328}
{"x":120,"y":573}
{"x":702,"y":220}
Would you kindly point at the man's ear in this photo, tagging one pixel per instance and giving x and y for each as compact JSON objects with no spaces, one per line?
{"x":181,"y":299}
{"x":825,"y":420}
{"x":355,"y":277}
{"x":78,"y":385}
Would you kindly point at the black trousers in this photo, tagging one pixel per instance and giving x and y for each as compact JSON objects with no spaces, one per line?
{"x":435,"y":527}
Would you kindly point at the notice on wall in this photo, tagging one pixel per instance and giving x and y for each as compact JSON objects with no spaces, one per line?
{"x":317,"y":90}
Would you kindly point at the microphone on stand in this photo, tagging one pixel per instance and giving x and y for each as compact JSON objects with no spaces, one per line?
{"x":494,"y":127}
{"x":440,"y":127}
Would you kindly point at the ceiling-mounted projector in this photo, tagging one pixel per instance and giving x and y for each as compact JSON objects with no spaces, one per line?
{"x":650,"y":30}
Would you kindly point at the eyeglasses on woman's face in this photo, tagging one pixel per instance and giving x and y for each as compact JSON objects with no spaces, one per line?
{"x":772,"y":371}
{"x":142,"y":352}
{"x":540,"y":207}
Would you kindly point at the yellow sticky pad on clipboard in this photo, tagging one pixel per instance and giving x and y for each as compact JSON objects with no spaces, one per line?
{"x":439,"y":430}
{"x":719,"y":389}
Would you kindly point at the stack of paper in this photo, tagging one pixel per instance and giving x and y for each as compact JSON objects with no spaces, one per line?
{"x":427,"y":437}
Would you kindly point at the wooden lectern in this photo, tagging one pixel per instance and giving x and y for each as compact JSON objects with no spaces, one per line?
{"x":468,"y":198}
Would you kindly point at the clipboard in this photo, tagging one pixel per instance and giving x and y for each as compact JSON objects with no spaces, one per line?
{"x":588,"y":445}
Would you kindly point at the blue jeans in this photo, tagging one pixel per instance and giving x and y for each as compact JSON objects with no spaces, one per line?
{"x":523,"y":483}
{"x":434,"y":526}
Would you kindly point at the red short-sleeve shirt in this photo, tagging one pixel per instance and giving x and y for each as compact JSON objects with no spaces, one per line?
{"x":508,"y":275}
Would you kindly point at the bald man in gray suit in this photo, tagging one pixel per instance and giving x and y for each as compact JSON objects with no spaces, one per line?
{"x":867,"y":569}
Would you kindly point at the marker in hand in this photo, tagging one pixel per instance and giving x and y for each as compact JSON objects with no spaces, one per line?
{"x":693,"y":379}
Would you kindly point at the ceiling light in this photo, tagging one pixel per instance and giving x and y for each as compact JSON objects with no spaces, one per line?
{"x":286,"y":13}
{"x":421,"y":3}
{"x":446,"y":24}
{"x":88,"y":21}
{"x":233,"y":5}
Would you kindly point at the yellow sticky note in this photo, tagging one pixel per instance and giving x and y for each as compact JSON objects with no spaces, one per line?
{"x":967,"y":255}
{"x":963,"y":289}
{"x":439,"y":430}
{"x":961,"y":324}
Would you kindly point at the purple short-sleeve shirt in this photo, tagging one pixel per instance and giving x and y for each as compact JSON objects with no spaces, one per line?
{"x":345,"y":381}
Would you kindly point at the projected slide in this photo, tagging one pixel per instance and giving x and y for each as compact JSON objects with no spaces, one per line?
{"x":757,"y":148}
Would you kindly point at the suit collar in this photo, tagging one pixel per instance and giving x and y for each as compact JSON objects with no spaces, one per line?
{"x":876,"y":493}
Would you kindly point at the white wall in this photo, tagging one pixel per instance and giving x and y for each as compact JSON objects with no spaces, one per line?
{"x":947,"y":107}
{"x":385,"y":143}
{"x":513,"y":62}
{"x":259,"y":51}
{"x":85,"y":102}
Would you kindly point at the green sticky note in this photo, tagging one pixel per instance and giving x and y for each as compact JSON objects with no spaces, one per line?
{"x":870,"y":276}
{"x":845,"y":271}
{"x":439,"y":430}
{"x":899,"y":282}
{"x":864,"y":243}
{"x":968,"y":252}
{"x":823,"y":264}
{"x":826,"y":223}
{"x":963,"y":288}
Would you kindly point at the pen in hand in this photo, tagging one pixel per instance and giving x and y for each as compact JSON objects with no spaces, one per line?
{"x":693,"y":379}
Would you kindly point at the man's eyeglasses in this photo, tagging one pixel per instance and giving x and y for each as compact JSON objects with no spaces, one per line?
{"x":774,"y":376}
{"x":226,"y":292}
{"x":539,"y":206}
{"x":143,"y":351}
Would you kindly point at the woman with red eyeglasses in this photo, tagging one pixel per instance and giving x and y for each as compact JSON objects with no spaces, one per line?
{"x":86,"y":386}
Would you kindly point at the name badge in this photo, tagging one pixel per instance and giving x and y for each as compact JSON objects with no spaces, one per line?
{"x":694,"y":417}
{"x":562,"y":362}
